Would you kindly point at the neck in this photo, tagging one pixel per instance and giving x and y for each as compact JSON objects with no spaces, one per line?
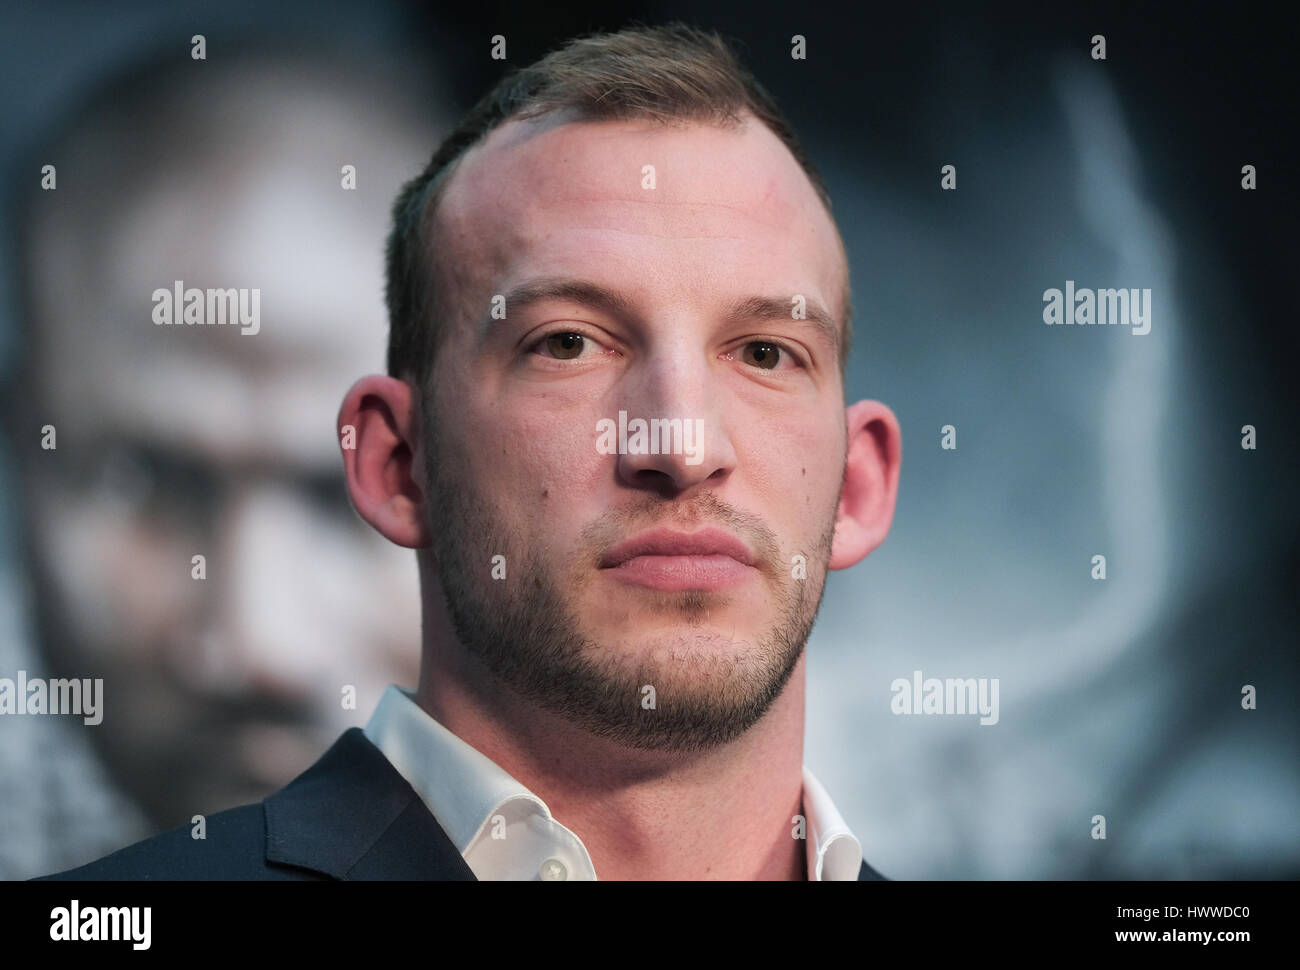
{"x":718,"y":814}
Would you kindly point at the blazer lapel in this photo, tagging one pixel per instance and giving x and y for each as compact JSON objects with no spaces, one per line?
{"x":867,"y":874}
{"x":351,"y":815}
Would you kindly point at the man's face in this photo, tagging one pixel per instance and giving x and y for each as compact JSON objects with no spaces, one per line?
{"x":582,"y":622}
{"x":178,"y":441}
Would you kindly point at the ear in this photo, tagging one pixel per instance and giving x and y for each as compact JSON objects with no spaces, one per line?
{"x":866,"y":510}
{"x":380,"y":414}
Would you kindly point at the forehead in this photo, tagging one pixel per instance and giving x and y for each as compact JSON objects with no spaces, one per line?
{"x":257,"y":214}
{"x":727,"y":205}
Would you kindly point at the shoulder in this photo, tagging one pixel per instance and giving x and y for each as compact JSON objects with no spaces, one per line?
{"x":233,"y":846}
{"x":350,"y":815}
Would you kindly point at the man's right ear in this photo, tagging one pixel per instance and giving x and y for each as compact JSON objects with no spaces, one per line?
{"x":377,"y":435}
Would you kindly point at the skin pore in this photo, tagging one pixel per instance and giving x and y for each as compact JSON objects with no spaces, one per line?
{"x":648,"y":301}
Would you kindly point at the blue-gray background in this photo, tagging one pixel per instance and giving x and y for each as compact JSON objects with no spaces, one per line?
{"x":1118,"y":697}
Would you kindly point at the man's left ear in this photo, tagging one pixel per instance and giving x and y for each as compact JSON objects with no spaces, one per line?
{"x":866,"y":510}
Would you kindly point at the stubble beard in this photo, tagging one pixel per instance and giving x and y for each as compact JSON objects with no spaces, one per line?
{"x":524,"y":630}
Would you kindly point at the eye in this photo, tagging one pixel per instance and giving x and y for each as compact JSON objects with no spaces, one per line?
{"x":167,"y":486}
{"x":561,"y":345}
{"x":762,"y":354}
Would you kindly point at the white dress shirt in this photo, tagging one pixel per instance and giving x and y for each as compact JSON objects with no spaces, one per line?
{"x":504,"y":831}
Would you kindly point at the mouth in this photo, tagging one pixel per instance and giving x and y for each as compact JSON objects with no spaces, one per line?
{"x":660,"y":559}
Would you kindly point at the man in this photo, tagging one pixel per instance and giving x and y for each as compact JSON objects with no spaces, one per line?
{"x":614,"y":431}
{"x":220,"y":684}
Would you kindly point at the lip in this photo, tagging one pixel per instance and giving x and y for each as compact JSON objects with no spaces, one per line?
{"x":665,"y":542}
{"x":665,"y":560}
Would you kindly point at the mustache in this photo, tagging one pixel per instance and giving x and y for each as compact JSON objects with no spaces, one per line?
{"x":705,"y":509}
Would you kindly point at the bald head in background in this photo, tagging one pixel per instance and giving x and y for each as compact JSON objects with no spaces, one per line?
{"x":202,"y":440}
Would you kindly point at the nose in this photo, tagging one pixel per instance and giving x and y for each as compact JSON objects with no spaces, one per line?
{"x":259,"y":636}
{"x":671,"y":430}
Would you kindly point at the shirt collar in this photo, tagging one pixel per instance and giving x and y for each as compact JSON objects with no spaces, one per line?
{"x":460,"y":785}
{"x":463,"y":788}
{"x":834,"y":853}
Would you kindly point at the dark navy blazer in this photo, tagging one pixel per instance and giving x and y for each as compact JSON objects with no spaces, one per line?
{"x":351,"y":815}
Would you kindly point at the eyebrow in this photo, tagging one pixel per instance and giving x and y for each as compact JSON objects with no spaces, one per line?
{"x":608,"y":301}
{"x":772,"y":308}
{"x":563,"y":288}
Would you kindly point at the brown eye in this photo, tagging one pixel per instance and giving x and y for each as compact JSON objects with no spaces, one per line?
{"x":762,"y":354}
{"x":565,"y":346}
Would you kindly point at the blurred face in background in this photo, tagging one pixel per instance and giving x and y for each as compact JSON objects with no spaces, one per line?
{"x":183,"y":441}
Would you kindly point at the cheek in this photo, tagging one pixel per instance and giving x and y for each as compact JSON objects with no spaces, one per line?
{"x":529,"y":453}
{"x":795,"y":455}
{"x":122,"y":585}
{"x":535,"y":470}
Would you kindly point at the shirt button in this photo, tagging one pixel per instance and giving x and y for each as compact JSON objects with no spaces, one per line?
{"x":553,"y":871}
